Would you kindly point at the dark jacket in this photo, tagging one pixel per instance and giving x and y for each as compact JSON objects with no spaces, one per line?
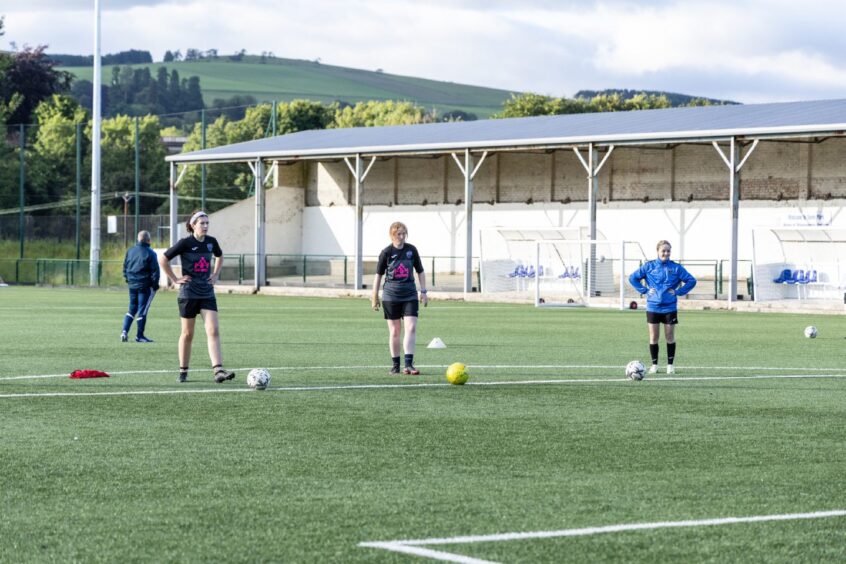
{"x":141,"y":267}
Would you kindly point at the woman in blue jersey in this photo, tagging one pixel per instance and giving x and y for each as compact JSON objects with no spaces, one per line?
{"x":665,"y":282}
{"x":397,"y":263}
{"x":196,"y":292}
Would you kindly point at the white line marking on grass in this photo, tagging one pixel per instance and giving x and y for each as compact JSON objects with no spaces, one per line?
{"x":425,"y":552}
{"x":332,"y":387}
{"x":406,"y":545}
{"x":441,"y":366}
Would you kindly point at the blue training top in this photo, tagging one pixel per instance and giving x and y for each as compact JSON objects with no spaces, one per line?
{"x":661,"y":277}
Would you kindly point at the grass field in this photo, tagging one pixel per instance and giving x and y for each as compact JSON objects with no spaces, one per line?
{"x":288,"y":79}
{"x":547,"y":441}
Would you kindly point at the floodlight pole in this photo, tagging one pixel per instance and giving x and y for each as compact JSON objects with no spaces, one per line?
{"x":94,"y":258}
{"x":734,"y":164}
{"x":174,"y":206}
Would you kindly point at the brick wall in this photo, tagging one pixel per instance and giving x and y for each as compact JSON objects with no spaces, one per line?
{"x":776,"y":171}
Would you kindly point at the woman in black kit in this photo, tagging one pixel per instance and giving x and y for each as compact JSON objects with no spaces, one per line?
{"x":399,"y":297}
{"x":196,"y":292}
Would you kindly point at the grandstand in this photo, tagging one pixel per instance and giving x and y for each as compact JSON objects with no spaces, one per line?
{"x":683,"y":174}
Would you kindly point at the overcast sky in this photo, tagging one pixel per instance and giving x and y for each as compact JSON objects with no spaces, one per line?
{"x":743,"y":50}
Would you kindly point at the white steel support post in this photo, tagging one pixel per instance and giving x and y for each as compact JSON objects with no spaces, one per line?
{"x":359,"y":174}
{"x":469,"y":171}
{"x":734,"y":204}
{"x":260,"y":262}
{"x":593,"y":192}
{"x":592,"y":167}
{"x":359,"y":224}
{"x":468,"y":221}
{"x":734,"y":164}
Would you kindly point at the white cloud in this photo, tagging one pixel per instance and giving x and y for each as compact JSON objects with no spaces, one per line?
{"x":747,"y":50}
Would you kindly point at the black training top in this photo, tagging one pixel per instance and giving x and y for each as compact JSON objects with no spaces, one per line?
{"x":196,"y":258}
{"x":396,"y":265}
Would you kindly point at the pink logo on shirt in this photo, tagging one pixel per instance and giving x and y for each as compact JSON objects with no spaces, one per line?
{"x":201,"y":265}
{"x":401,"y":272}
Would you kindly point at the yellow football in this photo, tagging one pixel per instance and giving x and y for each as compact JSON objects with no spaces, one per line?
{"x":457,"y":374}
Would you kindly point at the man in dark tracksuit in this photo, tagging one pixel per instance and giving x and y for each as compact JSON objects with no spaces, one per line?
{"x":141,"y":272}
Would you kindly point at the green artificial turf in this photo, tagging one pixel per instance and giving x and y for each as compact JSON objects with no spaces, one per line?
{"x":546,"y":436}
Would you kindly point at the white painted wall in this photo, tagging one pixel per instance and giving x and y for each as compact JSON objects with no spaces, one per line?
{"x":700,"y":231}
{"x":234,"y":226}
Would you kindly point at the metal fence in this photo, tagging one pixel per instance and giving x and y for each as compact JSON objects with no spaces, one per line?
{"x":328,"y":271}
{"x":337,"y":271}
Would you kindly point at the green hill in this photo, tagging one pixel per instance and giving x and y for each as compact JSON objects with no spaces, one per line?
{"x":289,"y":79}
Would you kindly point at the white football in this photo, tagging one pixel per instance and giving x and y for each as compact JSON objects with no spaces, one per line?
{"x":635,"y":370}
{"x":258,"y":378}
{"x":810,"y":332}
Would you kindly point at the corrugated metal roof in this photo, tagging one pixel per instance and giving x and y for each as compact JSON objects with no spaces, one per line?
{"x":789,"y":119}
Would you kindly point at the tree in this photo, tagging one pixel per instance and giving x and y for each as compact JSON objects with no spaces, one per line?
{"x":643,"y":101}
{"x":233,"y":108}
{"x":193,"y":95}
{"x":524,"y":105}
{"x":303,"y":115}
{"x":33,"y":76}
{"x":52,"y":172}
{"x":235,"y":180}
{"x":459,"y":115}
{"x":174,"y":91}
{"x":168,"y":57}
{"x":374,"y":113}
{"x":118,"y":150}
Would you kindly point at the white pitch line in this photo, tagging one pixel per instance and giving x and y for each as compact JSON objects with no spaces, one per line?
{"x":425,"y":552}
{"x":404,"y":545}
{"x":439,"y":366}
{"x":418,"y":385}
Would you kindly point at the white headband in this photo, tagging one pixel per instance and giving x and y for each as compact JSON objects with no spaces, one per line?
{"x":197,"y":216}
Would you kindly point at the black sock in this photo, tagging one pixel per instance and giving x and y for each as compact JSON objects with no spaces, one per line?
{"x":183,"y":370}
{"x":671,"y":352}
{"x":395,"y":360}
{"x":653,"y":352}
{"x":218,"y":368}
{"x":409,"y":360}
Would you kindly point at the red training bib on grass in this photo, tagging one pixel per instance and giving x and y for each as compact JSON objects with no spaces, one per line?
{"x":88,"y":374}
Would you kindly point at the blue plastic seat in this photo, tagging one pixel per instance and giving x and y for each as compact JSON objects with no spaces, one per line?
{"x":519,"y":272}
{"x":784,"y":276}
{"x":797,"y":278}
{"x":812,"y":277}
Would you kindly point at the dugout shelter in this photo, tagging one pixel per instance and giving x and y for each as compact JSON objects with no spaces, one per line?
{"x":734,"y":132}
